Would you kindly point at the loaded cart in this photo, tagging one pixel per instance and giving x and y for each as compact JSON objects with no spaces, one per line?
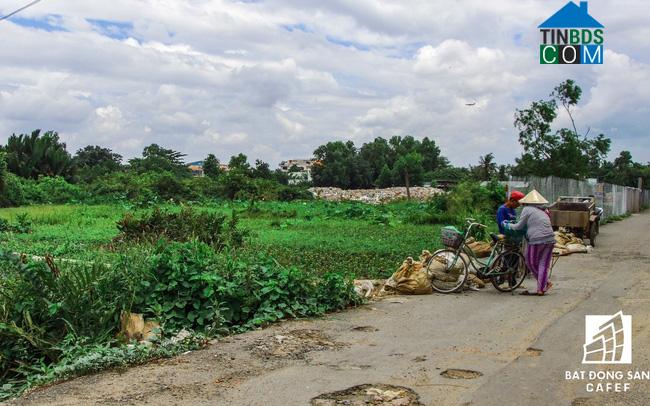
{"x":578,"y":215}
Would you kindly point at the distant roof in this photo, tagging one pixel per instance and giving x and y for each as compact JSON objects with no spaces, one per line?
{"x":572,"y":16}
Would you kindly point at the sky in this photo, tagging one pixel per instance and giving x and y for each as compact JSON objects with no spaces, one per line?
{"x":275,"y":79}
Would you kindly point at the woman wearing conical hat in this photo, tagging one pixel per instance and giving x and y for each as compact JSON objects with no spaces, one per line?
{"x":540,"y":237}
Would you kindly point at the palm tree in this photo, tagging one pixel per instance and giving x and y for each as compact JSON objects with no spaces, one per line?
{"x":487,"y":166}
{"x":34,"y":155}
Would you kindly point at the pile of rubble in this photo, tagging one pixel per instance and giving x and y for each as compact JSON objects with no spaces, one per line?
{"x":374,"y":196}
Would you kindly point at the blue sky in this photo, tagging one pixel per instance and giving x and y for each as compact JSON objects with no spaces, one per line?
{"x":277,"y":78}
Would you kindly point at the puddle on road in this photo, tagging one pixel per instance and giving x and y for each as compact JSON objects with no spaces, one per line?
{"x":461,"y":374}
{"x":533,"y":352}
{"x":370,"y":394}
{"x":294,"y":344}
{"x":367,"y":329}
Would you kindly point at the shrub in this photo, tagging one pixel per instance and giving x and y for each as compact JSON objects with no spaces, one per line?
{"x":181,"y":289}
{"x":191,"y":286}
{"x":188,"y":224}
{"x":57,"y":190}
{"x":41,"y":304}
{"x":467,"y":199}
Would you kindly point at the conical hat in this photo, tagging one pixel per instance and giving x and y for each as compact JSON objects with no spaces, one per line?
{"x":533,"y":197}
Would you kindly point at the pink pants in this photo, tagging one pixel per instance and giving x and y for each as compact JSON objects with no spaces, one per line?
{"x":538,"y":259}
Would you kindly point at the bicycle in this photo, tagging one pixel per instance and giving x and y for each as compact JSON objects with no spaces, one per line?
{"x":505,"y":267}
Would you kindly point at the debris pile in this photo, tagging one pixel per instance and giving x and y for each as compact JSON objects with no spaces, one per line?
{"x":373,"y":196}
{"x":134,"y":327}
{"x":370,"y":394}
{"x":294,"y":344}
{"x":369,"y":288}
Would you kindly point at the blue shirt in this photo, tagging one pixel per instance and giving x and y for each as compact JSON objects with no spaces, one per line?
{"x":505,"y":213}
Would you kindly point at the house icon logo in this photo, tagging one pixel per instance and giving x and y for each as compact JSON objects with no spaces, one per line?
{"x":572,"y":36}
{"x":608,"y":339}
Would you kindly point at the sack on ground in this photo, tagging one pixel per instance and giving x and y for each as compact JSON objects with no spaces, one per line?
{"x":567,"y":244}
{"x":411,"y":279}
{"x":481,"y":249}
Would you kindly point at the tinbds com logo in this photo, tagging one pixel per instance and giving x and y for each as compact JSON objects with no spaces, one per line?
{"x":572,"y":36}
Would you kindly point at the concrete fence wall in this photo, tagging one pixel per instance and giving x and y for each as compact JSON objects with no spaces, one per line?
{"x":614,"y":199}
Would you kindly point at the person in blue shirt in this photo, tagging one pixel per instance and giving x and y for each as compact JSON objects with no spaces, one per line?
{"x":507,"y":210}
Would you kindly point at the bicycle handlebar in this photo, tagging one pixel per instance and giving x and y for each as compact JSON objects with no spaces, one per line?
{"x":472,"y":222}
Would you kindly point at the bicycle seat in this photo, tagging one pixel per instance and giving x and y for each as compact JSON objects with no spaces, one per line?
{"x":497,"y":237}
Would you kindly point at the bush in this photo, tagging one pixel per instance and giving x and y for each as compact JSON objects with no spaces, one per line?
{"x":57,"y":190}
{"x":467,"y":199}
{"x":45,"y":190}
{"x":188,"y":224}
{"x":41,"y":304}
{"x":180,"y":290}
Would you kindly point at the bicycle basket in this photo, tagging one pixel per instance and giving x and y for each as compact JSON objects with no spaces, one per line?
{"x":451,"y":237}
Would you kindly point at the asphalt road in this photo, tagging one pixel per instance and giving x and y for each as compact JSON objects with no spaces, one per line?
{"x":522,"y":346}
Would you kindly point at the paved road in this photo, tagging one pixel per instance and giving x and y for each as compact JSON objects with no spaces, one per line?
{"x":521,"y":345}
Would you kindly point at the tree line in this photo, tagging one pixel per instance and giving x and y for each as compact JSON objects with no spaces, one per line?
{"x":37,"y":167}
{"x":565,"y":152}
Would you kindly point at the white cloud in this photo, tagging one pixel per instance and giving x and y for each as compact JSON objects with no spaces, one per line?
{"x":275,"y":79}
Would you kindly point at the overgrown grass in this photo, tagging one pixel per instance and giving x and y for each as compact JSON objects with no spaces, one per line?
{"x":612,"y":219}
{"x":318,"y":236}
{"x":210,"y":269}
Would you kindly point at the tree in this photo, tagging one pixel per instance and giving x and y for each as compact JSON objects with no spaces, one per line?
{"x":564,"y":153}
{"x":377,"y":154}
{"x":338,"y":164}
{"x":624,"y":171}
{"x":34,"y":155}
{"x":385,"y":178}
{"x":262,"y":170}
{"x":211,"y":166}
{"x":431,"y":158}
{"x":93,"y":161}
{"x":503,"y":172}
{"x":158,"y":159}
{"x":3,"y":171}
{"x":486,"y":167}
{"x":239,"y":163}
{"x":408,"y":166}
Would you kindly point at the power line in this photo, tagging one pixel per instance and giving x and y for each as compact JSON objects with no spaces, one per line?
{"x":20,"y":9}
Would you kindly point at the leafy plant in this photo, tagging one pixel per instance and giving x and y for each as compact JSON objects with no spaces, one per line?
{"x":188,"y":224}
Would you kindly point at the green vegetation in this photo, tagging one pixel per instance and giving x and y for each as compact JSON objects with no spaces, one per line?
{"x":54,"y":310}
{"x":209,"y":269}
{"x":86,"y":237}
{"x":612,"y":219}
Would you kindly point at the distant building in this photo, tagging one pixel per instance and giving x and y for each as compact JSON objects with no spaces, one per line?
{"x":298,"y":170}
{"x":197,"y":168}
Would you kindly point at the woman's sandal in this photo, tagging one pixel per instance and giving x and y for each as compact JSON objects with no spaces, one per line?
{"x":527,"y":293}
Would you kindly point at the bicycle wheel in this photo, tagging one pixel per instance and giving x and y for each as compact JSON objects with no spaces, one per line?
{"x":448,"y":271}
{"x":512,"y":268}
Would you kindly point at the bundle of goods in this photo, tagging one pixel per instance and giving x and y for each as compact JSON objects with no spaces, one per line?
{"x":567,"y":244}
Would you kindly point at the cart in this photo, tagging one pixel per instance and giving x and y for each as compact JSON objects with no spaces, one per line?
{"x":578,"y":215}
